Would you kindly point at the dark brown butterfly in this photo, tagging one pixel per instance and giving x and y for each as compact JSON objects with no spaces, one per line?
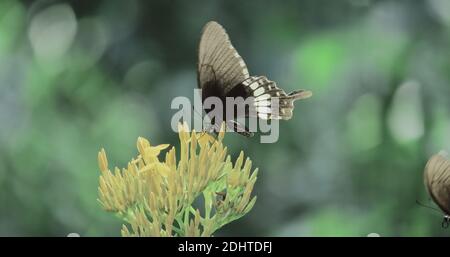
{"x":222,"y":73}
{"x":437,"y":181}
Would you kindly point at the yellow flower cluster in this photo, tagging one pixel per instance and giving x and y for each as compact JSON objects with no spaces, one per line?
{"x":157,"y":198}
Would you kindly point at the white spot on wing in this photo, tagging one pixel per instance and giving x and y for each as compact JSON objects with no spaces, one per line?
{"x":262,"y":103}
{"x":254,"y":85}
{"x":264,"y":109}
{"x":263,"y":116}
{"x":258,"y":91}
{"x":262,"y":97}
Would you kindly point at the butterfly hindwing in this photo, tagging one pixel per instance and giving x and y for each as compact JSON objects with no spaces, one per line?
{"x":270,"y":101}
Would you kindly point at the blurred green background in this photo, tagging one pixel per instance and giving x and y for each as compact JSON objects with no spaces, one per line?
{"x":76,"y":76}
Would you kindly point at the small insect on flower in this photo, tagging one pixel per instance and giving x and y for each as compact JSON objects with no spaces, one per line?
{"x":437,"y":181}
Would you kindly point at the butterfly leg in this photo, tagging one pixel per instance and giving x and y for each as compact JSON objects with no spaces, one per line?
{"x":211,"y":129}
{"x":239,"y":128}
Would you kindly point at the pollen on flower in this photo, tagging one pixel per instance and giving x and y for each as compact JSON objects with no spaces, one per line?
{"x":155,"y":195}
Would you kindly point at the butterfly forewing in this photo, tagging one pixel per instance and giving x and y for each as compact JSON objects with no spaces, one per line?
{"x":219,"y":64}
{"x":437,"y":180}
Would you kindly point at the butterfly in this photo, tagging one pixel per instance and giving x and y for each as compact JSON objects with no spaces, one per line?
{"x":437,"y":181}
{"x":222,"y":73}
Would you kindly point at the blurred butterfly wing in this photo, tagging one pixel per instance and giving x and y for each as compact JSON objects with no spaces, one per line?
{"x":437,"y":180}
{"x":219,"y":64}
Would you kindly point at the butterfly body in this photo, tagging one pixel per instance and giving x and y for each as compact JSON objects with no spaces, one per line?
{"x":222,"y":73}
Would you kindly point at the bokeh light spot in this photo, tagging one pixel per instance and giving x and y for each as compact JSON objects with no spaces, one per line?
{"x":52,"y":32}
{"x":405,"y":120}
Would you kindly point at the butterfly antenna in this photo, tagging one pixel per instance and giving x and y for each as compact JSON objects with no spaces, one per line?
{"x":195,"y":111}
{"x":429,"y":207}
{"x":199,"y":115}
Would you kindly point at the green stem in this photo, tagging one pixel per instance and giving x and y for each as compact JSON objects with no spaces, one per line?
{"x":186,"y":217}
{"x":208,"y":204}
